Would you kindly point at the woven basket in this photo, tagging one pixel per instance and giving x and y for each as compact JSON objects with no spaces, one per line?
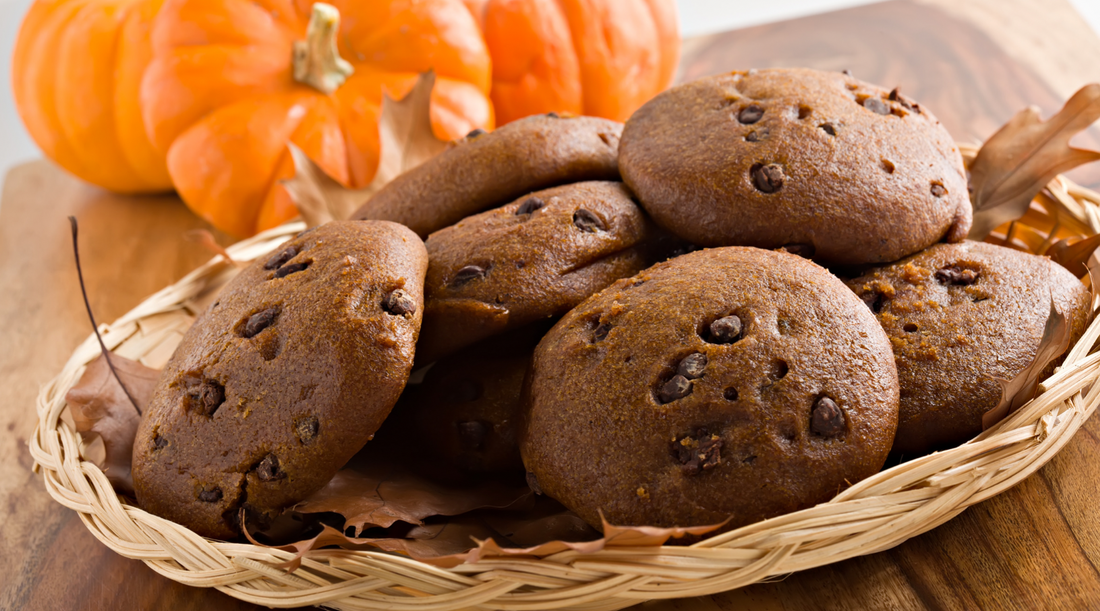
{"x":875,"y":514}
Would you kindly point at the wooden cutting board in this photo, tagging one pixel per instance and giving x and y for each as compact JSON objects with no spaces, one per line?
{"x":974,"y":63}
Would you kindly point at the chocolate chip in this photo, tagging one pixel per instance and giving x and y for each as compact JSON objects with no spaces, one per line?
{"x":767,"y":178}
{"x":476,"y":132}
{"x":693,"y":365}
{"x":827,"y":418}
{"x":468,"y":273}
{"x":938,"y":190}
{"x":895,"y":96}
{"x":725,"y":330}
{"x":210,"y":496}
{"x":846,"y":72}
{"x":533,"y":483}
{"x":206,"y":398}
{"x":159,"y":442}
{"x":750,"y":114}
{"x":268,"y":469}
{"x":307,"y":428}
{"x":259,"y":321}
{"x":471,"y":434}
{"x":553,"y":115}
{"x":731,"y":394}
{"x":529,"y":205}
{"x":806,"y":251}
{"x":601,"y":332}
{"x":874,"y":300}
{"x":804,"y":111}
{"x":876,"y":105}
{"x":757,"y":135}
{"x":700,"y":451}
{"x":399,"y":303}
{"x":293,"y":268}
{"x":828,"y":128}
{"x":954,"y":275}
{"x":285,"y":255}
{"x":588,"y":221}
{"x":910,"y":327}
{"x":676,"y":388}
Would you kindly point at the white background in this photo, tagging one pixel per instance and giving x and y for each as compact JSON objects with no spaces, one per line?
{"x":696,"y":17}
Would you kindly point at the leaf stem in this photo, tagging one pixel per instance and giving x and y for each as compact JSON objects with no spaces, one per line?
{"x":95,"y":327}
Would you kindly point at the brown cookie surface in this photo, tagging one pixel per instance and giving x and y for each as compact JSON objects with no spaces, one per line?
{"x":818,"y":161}
{"x":464,"y":415}
{"x":488,"y":170}
{"x":726,"y":383}
{"x":535,"y":258}
{"x":284,"y":378}
{"x":960,"y":316}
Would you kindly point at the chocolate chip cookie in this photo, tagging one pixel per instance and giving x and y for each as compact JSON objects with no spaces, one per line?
{"x":487,"y":170}
{"x":725,"y":383}
{"x":959,"y":317}
{"x":463,"y":417}
{"x":284,"y":378}
{"x":816,"y":161}
{"x":532,"y":259}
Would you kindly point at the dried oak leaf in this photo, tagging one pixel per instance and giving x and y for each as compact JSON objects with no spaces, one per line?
{"x":1022,"y":388}
{"x":204,"y":238}
{"x":99,"y":406}
{"x":1074,"y":253}
{"x":379,"y":495}
{"x":472,"y":537}
{"x":405,"y":140}
{"x":1024,"y":155}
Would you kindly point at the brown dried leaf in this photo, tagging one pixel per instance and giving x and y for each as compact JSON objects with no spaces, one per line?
{"x":1022,"y":388}
{"x":206,"y":239}
{"x":1024,"y":155}
{"x":99,"y":406}
{"x":378,"y":495}
{"x":406,"y":140}
{"x":1074,"y":253}
{"x":472,"y":537}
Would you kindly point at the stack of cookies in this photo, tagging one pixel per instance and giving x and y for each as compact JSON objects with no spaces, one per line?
{"x":640,"y":320}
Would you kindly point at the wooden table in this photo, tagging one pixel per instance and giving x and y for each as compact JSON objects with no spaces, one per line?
{"x":973,"y":62}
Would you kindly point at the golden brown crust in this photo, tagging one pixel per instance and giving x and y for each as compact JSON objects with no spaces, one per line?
{"x":959,"y":316}
{"x":796,"y":156}
{"x":535,"y":258}
{"x":491,"y":169}
{"x":284,"y":378}
{"x":607,"y":428}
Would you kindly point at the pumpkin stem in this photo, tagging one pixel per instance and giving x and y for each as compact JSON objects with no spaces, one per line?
{"x":317,"y":62}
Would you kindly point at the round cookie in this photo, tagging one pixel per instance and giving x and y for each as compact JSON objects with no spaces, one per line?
{"x":464,"y":416}
{"x":726,"y":383}
{"x":487,"y":170}
{"x":284,"y":378}
{"x":535,"y":258}
{"x":817,"y":161}
{"x":959,"y":316}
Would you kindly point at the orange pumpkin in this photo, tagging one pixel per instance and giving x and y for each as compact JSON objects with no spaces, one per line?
{"x":76,"y":73}
{"x":233,"y":81}
{"x":588,"y":57}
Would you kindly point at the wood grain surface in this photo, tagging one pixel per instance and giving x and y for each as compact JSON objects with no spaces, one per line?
{"x":1036,"y":546}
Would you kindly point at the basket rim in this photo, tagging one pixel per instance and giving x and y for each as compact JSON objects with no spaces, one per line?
{"x":873,"y":515}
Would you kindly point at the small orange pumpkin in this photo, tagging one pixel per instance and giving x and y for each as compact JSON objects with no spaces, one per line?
{"x":603,"y":58}
{"x":233,"y":81}
{"x":76,"y":73}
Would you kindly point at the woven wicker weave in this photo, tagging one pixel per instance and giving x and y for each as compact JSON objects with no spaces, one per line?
{"x":874,"y":515}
